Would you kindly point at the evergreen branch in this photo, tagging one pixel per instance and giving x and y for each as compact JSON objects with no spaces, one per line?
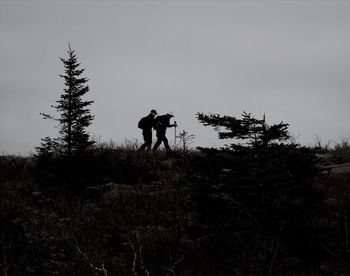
{"x":48,"y":116}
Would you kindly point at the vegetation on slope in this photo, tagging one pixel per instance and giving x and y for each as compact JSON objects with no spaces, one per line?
{"x":208,"y":212}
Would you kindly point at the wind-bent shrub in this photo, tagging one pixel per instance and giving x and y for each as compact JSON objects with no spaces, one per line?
{"x":255,"y":131}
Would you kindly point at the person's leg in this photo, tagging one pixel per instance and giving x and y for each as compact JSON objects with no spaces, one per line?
{"x":166,"y":143}
{"x":144,"y":145}
{"x":159,"y":141}
{"x":148,"y":140}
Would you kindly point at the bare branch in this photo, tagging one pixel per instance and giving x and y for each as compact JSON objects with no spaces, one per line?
{"x":102,"y":269}
{"x":141,"y":262}
{"x":171,"y":268}
{"x":332,"y":253}
{"x":137,"y":254}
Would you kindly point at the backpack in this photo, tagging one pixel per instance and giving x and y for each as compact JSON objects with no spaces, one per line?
{"x":142,"y":123}
{"x":158,"y":123}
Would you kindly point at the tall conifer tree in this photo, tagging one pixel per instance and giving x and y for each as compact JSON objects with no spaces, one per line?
{"x":74,"y":114}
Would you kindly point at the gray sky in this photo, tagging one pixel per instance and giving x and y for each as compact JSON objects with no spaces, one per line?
{"x":290,"y":59}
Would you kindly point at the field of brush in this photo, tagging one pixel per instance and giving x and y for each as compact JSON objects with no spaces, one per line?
{"x":116,"y":211}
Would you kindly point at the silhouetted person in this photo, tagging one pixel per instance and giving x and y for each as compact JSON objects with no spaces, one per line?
{"x":146,"y":124}
{"x":161,"y":123}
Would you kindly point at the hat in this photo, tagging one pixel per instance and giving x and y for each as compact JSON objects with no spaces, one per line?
{"x":170,"y":114}
{"x":154,"y":111}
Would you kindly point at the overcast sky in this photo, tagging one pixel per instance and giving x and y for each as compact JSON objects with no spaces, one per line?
{"x":288,"y":59}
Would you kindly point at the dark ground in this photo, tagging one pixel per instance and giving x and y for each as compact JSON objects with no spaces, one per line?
{"x":284,"y":211}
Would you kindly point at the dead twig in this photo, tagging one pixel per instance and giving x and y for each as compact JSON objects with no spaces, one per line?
{"x":332,"y":253}
{"x":101,"y":269}
{"x":133,"y":269}
{"x":137,"y":252}
{"x":141,"y":262}
{"x":171,"y":268}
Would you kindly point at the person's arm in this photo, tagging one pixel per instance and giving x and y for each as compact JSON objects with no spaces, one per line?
{"x":171,"y":125}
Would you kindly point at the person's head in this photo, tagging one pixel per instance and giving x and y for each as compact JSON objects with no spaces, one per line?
{"x":170,"y":114}
{"x":153,"y":113}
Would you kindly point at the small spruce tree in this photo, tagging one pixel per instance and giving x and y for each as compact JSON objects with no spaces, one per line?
{"x":256,"y":133}
{"x":74,"y":114}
